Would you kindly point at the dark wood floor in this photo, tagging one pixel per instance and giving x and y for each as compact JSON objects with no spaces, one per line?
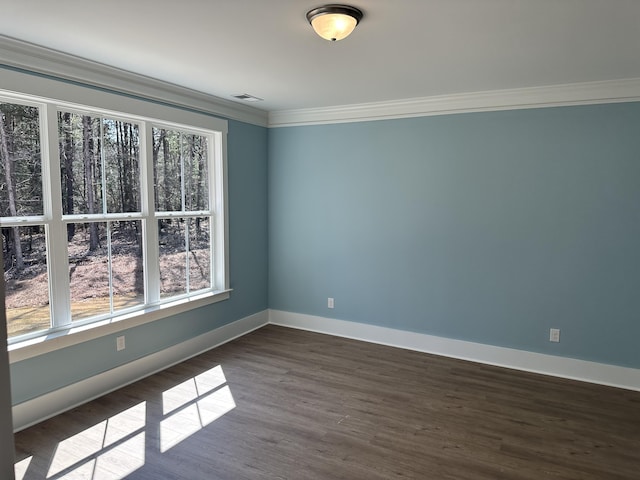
{"x":286,"y":404}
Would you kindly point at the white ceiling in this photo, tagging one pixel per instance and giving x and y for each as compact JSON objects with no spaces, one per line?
{"x":402,"y":49}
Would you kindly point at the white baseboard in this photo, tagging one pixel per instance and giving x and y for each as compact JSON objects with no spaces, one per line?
{"x":33,"y":411}
{"x":38,"y":409}
{"x":592,"y":372}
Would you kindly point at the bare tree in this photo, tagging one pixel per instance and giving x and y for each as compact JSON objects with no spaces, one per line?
{"x":166,"y":157}
{"x":11,"y":187}
{"x":87,"y":150}
{"x":68,"y":153}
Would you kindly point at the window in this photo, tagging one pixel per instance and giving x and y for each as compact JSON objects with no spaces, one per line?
{"x":181,"y":202}
{"x":106,"y":215}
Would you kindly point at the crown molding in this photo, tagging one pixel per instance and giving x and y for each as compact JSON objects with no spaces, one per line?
{"x":612,"y":91}
{"x":44,"y":61}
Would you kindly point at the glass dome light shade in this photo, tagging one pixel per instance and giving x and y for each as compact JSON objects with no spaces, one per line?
{"x":334,"y":22}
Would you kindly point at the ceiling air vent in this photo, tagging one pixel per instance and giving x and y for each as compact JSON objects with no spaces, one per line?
{"x":247,"y":98}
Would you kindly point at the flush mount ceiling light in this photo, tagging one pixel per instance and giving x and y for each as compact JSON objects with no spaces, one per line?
{"x":334,"y":22}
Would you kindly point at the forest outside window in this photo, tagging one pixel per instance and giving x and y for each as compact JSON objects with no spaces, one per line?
{"x":105,"y":214}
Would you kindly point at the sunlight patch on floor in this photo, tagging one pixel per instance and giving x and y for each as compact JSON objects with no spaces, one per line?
{"x":191,"y":389}
{"x":200,"y":413}
{"x":116,"y":447}
{"x":75,"y":453}
{"x":122,"y":460}
{"x":21,"y":467}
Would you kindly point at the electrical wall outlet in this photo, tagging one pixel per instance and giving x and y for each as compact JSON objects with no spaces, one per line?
{"x":554,"y":335}
{"x":120,"y":345}
{"x":330,"y":302}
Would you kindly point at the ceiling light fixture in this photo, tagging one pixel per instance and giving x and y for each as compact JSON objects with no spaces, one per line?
{"x":334,"y":22}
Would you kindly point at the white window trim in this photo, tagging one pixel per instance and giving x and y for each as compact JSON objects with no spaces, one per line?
{"x":48,"y":92}
{"x":74,"y":334}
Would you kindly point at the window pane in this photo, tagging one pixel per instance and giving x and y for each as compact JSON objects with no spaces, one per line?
{"x":199,"y":254}
{"x":89,"y":270}
{"x":20,"y":162}
{"x":172,"y":258}
{"x":80,"y":163}
{"x":195,"y":167}
{"x":106,"y":268}
{"x":181,"y":273}
{"x":26,"y":279}
{"x":180,"y":168}
{"x":167,"y":170}
{"x":121,"y":156}
{"x":126,"y":264}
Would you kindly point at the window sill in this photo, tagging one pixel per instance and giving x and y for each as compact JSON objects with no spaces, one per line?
{"x":51,"y":341}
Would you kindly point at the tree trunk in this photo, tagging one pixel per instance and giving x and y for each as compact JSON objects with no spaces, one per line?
{"x":11,"y":190}
{"x":68,"y":153}
{"x":122,"y":167}
{"x":87,"y":149}
{"x":165,"y":158}
{"x":200,"y":203}
{"x":133,"y":177}
{"x":156,"y":150}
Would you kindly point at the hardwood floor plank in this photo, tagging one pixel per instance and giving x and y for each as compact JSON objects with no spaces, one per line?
{"x":287,"y":404}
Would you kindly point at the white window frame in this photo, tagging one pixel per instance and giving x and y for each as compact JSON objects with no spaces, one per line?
{"x":27,"y":89}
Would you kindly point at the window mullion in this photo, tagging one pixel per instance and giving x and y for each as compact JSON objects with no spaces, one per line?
{"x":149,"y":222}
{"x":187,"y":248}
{"x":58,"y":262}
{"x":110,"y":267}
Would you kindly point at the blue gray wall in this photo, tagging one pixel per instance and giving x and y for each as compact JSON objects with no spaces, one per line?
{"x":488,"y":227}
{"x":247,"y":174}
